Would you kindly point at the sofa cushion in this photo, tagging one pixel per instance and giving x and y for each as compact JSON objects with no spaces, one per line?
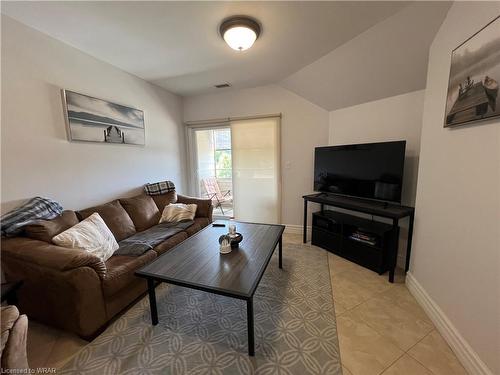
{"x":119,"y":301}
{"x":121,"y":270}
{"x":193,"y":229}
{"x":198,"y":224}
{"x":164,"y":199}
{"x":171,"y":242}
{"x":178,"y":212}
{"x":91,"y":235}
{"x":44,"y":230}
{"x":142,"y":210}
{"x":202,"y":221}
{"x":146,"y":240}
{"x":204,"y":209}
{"x":115,"y":217}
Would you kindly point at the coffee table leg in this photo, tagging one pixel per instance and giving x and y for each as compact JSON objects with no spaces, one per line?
{"x":152,"y":301}
{"x":251,"y":344}
{"x":280,"y":252}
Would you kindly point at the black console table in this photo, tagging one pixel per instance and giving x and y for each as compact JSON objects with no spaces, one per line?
{"x":380,"y":209}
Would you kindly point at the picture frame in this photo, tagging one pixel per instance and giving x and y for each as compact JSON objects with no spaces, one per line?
{"x":90,"y":119}
{"x":472,"y":94}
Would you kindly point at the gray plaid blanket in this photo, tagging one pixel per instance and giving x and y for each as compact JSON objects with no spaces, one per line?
{"x":146,"y":240}
{"x":35,"y":209}
{"x":158,"y":188}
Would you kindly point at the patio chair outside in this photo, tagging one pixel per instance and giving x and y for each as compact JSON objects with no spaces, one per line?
{"x":214,"y":193}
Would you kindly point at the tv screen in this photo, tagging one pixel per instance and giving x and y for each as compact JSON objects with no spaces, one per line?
{"x":370,"y":170}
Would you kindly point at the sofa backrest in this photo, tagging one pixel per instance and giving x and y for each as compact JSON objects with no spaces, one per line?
{"x":45,"y":230}
{"x":164,"y":199}
{"x":115,"y":217}
{"x":143,"y":211}
{"x":124,"y":217}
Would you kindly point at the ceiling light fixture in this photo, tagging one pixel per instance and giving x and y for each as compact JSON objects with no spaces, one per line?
{"x":240,"y":32}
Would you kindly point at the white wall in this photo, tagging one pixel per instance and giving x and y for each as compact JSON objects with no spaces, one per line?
{"x":456,"y":256}
{"x":37,"y":158}
{"x":390,"y":119}
{"x":303,"y":127}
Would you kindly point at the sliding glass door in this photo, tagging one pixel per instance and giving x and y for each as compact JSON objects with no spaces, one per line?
{"x":256,"y":170}
{"x":237,"y":165}
{"x":213,"y":167}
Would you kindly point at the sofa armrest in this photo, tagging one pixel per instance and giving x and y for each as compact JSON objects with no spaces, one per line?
{"x":55,"y":257}
{"x":204,"y":208}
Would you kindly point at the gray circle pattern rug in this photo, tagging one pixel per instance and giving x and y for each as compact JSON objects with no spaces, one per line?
{"x":203,"y":333}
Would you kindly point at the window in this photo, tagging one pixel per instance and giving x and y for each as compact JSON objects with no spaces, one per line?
{"x":222,"y":153}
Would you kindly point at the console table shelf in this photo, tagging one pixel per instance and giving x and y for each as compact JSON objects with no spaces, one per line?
{"x":331,"y":230}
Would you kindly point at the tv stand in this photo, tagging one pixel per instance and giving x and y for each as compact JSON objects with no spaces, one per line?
{"x":380,"y":209}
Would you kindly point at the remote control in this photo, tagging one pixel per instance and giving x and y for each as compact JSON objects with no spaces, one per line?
{"x":218,"y":225}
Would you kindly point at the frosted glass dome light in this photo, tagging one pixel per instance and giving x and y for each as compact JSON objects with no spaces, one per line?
{"x":240,"y":38}
{"x":240,"y":33}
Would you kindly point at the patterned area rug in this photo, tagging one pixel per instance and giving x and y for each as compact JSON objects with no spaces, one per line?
{"x":203,"y":333}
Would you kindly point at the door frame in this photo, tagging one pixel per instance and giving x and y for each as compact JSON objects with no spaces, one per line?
{"x":192,"y":156}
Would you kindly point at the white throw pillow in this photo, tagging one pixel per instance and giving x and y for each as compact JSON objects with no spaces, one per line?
{"x":92,"y":235}
{"x":175,"y":212}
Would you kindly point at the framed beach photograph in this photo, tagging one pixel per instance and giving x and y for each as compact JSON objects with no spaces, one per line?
{"x":474,"y":76}
{"x":91,"y":119}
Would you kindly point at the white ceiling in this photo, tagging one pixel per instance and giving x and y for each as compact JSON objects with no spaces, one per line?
{"x":388,"y":60}
{"x":176,"y":44}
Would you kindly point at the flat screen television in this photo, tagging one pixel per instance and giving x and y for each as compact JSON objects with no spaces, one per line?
{"x":369,"y":170}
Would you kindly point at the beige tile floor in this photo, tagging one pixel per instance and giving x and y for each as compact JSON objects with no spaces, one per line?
{"x":381,"y":328}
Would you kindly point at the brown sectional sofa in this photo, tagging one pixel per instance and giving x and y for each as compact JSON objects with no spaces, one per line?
{"x":74,"y":290}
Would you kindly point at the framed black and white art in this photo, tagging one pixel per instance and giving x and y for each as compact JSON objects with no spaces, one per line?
{"x":91,"y":119}
{"x":474,"y":76}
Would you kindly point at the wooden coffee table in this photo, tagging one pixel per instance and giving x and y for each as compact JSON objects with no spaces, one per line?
{"x":196,"y":263}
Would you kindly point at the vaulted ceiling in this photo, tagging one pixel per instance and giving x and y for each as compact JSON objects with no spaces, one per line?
{"x":310,"y":48}
{"x":388,"y":60}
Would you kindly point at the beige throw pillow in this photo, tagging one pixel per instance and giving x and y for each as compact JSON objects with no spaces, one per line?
{"x":176,"y":212}
{"x":92,"y":235}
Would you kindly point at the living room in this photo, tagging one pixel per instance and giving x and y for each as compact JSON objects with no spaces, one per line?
{"x":172,"y":196}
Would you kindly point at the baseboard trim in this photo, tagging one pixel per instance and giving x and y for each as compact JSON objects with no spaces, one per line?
{"x":295,"y":229}
{"x":464,"y":352}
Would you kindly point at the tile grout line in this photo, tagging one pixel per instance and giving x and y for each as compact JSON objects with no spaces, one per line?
{"x":403,"y":352}
{"x":368,"y":323}
{"x":374,"y":296}
{"x":390,"y":364}
{"x":427,"y":334}
{"x":333,"y":300}
{"x":408,"y":352}
{"x":368,"y":299}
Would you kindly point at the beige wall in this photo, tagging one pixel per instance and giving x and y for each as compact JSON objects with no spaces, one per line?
{"x":456,"y":257}
{"x":303,"y":127}
{"x":37,"y":158}
{"x":390,"y":119}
